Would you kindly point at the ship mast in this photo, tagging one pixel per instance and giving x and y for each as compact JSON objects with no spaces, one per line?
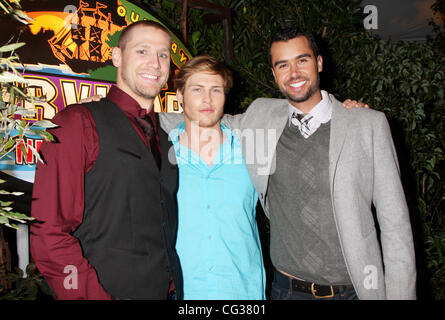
{"x":77,"y":32}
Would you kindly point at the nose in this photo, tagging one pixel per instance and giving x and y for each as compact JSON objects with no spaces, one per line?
{"x":207,"y":97}
{"x":294,"y":69}
{"x":153,"y":60}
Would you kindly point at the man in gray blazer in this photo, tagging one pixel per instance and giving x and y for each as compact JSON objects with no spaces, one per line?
{"x":318,"y":175}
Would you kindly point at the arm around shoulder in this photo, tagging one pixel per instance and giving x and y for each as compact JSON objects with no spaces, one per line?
{"x":260,"y":110}
{"x":170,"y":120}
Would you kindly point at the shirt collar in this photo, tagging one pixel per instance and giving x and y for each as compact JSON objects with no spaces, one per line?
{"x":130,"y":106}
{"x":176,"y":132}
{"x":126,"y":102}
{"x":321,"y":113}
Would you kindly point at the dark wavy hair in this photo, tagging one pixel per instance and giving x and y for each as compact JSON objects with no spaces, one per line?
{"x":290,"y":32}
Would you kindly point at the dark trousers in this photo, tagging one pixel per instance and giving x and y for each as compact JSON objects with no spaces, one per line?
{"x":282,"y":290}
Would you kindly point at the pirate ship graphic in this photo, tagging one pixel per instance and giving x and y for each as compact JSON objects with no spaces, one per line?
{"x":67,"y":56}
{"x":78,"y":41}
{"x":81,"y":42}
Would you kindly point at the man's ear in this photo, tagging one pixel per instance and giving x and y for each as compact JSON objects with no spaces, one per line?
{"x":180,"y":97}
{"x":116,"y":56}
{"x":320,"y":63}
{"x":273,"y":72}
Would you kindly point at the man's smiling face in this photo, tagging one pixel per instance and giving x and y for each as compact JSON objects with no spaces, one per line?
{"x":143,"y":63}
{"x":296,"y":70}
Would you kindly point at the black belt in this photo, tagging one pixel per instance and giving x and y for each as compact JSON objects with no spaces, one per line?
{"x":317,"y":290}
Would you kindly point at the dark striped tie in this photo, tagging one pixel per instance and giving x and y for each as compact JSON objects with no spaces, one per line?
{"x":303,"y":119}
{"x":149,"y":134}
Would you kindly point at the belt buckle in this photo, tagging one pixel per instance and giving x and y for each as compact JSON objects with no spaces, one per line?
{"x":317,"y":296}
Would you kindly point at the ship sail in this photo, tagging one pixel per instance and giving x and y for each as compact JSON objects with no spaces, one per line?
{"x":80,"y":40}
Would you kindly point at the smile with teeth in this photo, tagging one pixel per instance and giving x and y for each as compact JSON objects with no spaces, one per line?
{"x":298,"y":84}
{"x":149,"y":76}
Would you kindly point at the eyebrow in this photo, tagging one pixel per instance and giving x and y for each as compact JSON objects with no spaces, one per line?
{"x":202,"y":85}
{"x":145,"y":45}
{"x":304,"y":55}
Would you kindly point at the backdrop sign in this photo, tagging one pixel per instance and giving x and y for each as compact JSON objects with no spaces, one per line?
{"x":67,"y":57}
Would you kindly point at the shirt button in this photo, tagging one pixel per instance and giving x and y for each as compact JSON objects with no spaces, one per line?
{"x":210,"y":237}
{"x":211,"y":268}
{"x":208,"y":206}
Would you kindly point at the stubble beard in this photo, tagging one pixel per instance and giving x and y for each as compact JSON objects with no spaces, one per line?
{"x":149,"y":93}
{"x":312,"y":90}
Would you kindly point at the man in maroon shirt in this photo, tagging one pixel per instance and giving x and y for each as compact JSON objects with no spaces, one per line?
{"x":105,"y":199}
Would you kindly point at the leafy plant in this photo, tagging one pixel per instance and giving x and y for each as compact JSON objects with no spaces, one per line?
{"x":13,"y":9}
{"x":6,"y":213}
{"x":405,"y":80}
{"x":13,"y":88}
{"x":14,"y":286}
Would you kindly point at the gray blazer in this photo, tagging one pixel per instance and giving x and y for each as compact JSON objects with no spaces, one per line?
{"x":363,"y":170}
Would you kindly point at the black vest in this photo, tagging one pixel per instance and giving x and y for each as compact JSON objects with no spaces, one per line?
{"x":129,"y":225}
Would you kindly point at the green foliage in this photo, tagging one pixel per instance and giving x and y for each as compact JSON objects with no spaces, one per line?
{"x":6,"y":213}
{"x":13,"y":9}
{"x":13,"y":286}
{"x":406,"y":81}
{"x":13,"y":90}
{"x":403,"y":79}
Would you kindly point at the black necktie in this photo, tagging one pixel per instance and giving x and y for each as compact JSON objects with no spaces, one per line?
{"x":149,"y":134}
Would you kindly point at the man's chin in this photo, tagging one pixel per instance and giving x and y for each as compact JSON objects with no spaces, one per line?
{"x":148,"y":92}
{"x":150,"y":95}
{"x":205,"y":124}
{"x":298,"y":99}
{"x":301,"y":98}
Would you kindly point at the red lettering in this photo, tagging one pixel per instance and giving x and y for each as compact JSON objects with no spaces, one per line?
{"x":23,"y":152}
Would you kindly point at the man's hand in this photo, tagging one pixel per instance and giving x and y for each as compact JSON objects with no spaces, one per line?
{"x":97,"y":97}
{"x":349,"y":104}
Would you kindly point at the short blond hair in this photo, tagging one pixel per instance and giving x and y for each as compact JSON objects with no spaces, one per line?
{"x":123,"y":37}
{"x":203,"y":64}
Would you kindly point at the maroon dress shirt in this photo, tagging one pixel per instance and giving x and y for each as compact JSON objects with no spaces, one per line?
{"x":58,"y":198}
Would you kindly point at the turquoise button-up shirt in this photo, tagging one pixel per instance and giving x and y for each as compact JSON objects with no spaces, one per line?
{"x":218,"y":242}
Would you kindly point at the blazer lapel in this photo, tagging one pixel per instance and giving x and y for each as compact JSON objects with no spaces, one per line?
{"x":339,"y":128}
{"x":277,"y":123}
{"x":281,"y":120}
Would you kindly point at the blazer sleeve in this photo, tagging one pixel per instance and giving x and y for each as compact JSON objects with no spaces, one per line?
{"x":233,"y":122}
{"x":250,"y":117}
{"x":170,"y":120}
{"x":393,"y":216}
